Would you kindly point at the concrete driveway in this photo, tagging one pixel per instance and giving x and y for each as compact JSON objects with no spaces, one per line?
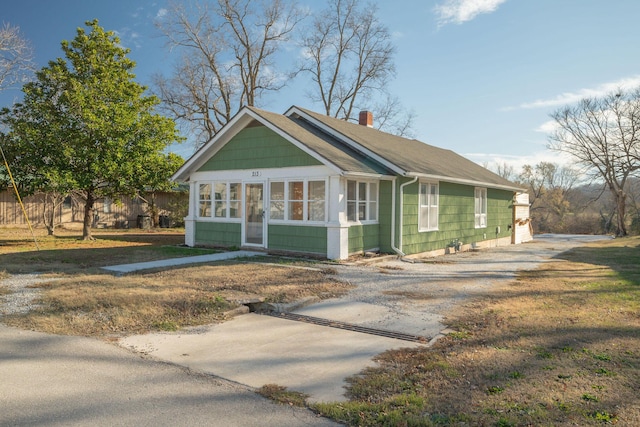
{"x":72,"y":381}
{"x":411,"y":298}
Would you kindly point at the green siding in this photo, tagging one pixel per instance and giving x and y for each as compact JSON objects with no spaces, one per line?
{"x":298,"y":239}
{"x":258,"y":148}
{"x":218,"y":234}
{"x":455,"y":218}
{"x":363,"y":237}
{"x":384,"y":216}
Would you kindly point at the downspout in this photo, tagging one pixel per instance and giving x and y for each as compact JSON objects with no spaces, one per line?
{"x":398,"y":250}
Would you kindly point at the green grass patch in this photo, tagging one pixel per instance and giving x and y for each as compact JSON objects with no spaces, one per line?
{"x":283,"y":396}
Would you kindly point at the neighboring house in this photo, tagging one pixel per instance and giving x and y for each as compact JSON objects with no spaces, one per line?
{"x":307,"y":183}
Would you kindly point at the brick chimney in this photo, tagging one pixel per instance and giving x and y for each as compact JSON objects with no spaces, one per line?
{"x":366,"y":119}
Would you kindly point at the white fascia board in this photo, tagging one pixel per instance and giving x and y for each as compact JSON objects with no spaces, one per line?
{"x":463,"y":181}
{"x":246,"y":175}
{"x":347,"y":140}
{"x":368,"y":176}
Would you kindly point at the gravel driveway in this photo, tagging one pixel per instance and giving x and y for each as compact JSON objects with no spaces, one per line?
{"x":412,"y":296}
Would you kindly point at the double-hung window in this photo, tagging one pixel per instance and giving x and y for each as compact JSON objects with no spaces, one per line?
{"x":362,"y":201}
{"x":428,"y":207}
{"x":481,"y":207}
{"x":297,"y":200}
{"x":204,"y":196}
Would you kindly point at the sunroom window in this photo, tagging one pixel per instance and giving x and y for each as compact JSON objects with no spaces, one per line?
{"x":297,"y":200}
{"x":220,"y":199}
{"x":204,"y":195}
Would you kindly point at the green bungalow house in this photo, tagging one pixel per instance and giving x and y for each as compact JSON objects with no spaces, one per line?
{"x":310,"y":184}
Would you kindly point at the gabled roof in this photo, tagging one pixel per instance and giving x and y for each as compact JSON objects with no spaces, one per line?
{"x":408,"y":157}
{"x":354,"y":149}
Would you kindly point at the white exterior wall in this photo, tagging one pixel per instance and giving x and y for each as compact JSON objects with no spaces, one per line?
{"x":521,"y":219}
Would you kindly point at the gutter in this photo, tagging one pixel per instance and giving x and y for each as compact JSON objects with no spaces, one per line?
{"x":398,"y":249}
{"x":467,"y":182}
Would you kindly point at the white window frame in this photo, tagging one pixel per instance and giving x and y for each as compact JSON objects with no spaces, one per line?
{"x":208,"y":201}
{"x":480,"y":207}
{"x":430,"y":206}
{"x":226,"y":202}
{"x":367,"y":202}
{"x":306,"y":201}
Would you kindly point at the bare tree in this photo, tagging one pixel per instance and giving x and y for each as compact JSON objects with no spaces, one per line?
{"x":16,"y":57}
{"x":601,"y":134}
{"x":503,"y":169}
{"x":391,"y":116}
{"x":550,"y":186}
{"x":349,"y":55}
{"x":228,"y":50}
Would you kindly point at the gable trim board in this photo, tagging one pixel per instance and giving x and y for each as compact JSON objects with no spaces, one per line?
{"x":345,"y":156}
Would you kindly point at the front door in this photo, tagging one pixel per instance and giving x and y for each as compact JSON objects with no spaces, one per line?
{"x":254,"y":214}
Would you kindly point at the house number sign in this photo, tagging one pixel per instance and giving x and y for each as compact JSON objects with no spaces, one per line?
{"x":256,"y":173}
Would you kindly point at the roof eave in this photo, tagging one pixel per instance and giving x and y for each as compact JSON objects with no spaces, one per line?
{"x":465,"y":181}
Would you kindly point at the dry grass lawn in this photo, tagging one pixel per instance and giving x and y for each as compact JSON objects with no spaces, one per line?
{"x":561,"y":347}
{"x":84,"y":300}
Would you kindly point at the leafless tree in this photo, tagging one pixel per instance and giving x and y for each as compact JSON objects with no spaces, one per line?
{"x":601,"y":134}
{"x":349,"y":55}
{"x":16,"y":56}
{"x":503,"y":169}
{"x":550,"y":186}
{"x":390,"y":116}
{"x":229,"y":50}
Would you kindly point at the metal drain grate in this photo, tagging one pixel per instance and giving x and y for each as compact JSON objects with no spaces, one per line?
{"x":347,"y":326}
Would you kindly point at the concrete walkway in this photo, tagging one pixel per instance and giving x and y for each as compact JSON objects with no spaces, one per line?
{"x":129,"y":268}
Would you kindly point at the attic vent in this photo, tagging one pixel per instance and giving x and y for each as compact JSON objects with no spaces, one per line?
{"x":366,"y":119}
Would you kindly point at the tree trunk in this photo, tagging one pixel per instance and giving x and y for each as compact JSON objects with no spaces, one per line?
{"x":153,"y":210}
{"x":88,"y":216}
{"x":621,"y":207}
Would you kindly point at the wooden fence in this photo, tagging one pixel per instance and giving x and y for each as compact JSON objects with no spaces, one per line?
{"x":126,"y":213}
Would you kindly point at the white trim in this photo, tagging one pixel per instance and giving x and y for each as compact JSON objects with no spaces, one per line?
{"x":320,"y":172}
{"x":305,"y":201}
{"x":483,"y":208}
{"x":399,"y":249}
{"x":421,"y":228}
{"x":429,"y":177}
{"x":367,"y":202}
{"x":243,"y":217}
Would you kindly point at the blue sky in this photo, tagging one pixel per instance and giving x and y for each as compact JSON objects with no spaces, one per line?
{"x":482,"y":76}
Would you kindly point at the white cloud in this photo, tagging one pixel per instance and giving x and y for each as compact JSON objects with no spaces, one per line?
{"x":547,"y":127}
{"x":459,"y":11}
{"x":492,"y":160}
{"x":161,"y":13}
{"x":573,"y":97}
